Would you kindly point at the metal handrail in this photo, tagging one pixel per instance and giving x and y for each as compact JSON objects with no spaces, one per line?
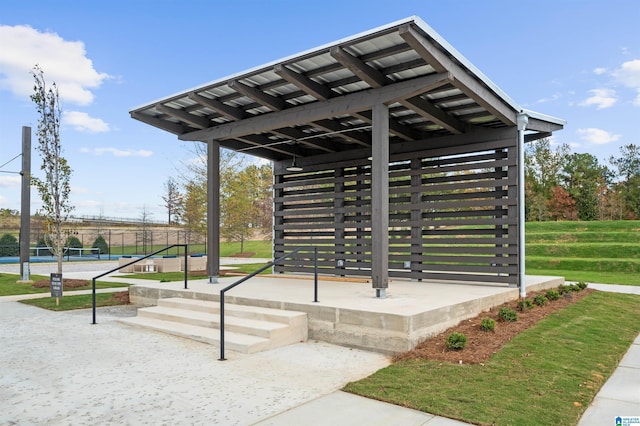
{"x":93,"y":280}
{"x":253,"y":274}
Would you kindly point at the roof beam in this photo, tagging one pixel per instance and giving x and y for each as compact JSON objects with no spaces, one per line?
{"x":342,"y":105}
{"x":195,"y":120}
{"x":431,"y":112}
{"x":305,"y":84}
{"x":542,"y":126}
{"x":371,"y":76}
{"x":251,"y":149}
{"x":257,"y":95}
{"x":261,"y":141}
{"x":401,"y":131}
{"x":461,"y":78}
{"x":175,"y":128}
{"x":305,"y":138}
{"x":228,"y":111}
{"x":535,"y":136}
{"x":375,"y":78}
{"x":335,"y":127}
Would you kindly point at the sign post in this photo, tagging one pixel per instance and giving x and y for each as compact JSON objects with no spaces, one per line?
{"x":56,"y":287}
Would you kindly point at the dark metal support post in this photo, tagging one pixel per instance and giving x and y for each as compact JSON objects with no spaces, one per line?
{"x":251,"y":275}
{"x":131,"y":263}
{"x":93,"y":299}
{"x":185,"y":267}
{"x":315,"y":274}
{"x":222,"y":358}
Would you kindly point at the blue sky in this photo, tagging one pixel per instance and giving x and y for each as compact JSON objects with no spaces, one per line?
{"x":576,"y":60}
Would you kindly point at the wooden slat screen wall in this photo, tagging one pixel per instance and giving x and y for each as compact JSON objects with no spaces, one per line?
{"x":452,"y":215}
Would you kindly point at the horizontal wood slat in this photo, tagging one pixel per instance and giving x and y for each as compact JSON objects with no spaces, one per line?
{"x":452,"y":214}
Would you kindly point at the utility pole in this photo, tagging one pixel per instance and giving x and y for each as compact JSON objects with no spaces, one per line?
{"x":25,"y":209}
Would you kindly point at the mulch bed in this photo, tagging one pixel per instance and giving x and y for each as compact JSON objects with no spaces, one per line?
{"x":481,"y":345}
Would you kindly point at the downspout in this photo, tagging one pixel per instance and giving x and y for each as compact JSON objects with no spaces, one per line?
{"x":522,"y":121}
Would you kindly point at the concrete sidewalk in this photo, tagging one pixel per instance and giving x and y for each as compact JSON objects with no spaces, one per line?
{"x":113,"y":374}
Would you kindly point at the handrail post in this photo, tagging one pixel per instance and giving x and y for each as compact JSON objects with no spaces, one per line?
{"x":222,"y":358}
{"x":131,"y":263}
{"x":315,"y":274}
{"x":253,"y":274}
{"x":93,"y":298}
{"x":185,"y":266}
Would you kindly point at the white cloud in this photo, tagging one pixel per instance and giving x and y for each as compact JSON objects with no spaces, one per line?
{"x":551,"y":98}
{"x":118,"y":152}
{"x":600,"y":71}
{"x":11,"y":181}
{"x":601,"y":98}
{"x":629,"y":75}
{"x":83,"y":123}
{"x":63,"y":62}
{"x":597,"y":136}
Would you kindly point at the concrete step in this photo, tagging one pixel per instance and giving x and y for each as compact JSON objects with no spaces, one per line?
{"x":253,"y":312}
{"x":248,"y":329}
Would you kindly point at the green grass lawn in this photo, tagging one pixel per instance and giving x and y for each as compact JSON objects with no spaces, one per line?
{"x":600,"y":251}
{"x":67,"y":303}
{"x":547,"y":375}
{"x":259,"y":248}
{"x":9,"y":287}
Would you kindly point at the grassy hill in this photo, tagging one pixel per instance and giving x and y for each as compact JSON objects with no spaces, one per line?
{"x":601,"y":251}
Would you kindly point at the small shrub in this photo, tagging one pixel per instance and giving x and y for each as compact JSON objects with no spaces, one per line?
{"x":574,"y":288}
{"x":73,"y":242}
{"x":101,"y":244}
{"x":581,"y":285}
{"x":456,"y":341}
{"x":563,"y":289}
{"x":524,"y":304}
{"x":552,"y":295}
{"x":488,"y":324}
{"x":507,"y":314}
{"x":9,"y":245}
{"x":540,"y":300}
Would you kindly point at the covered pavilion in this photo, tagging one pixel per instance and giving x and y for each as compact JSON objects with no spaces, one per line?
{"x":393,"y":155}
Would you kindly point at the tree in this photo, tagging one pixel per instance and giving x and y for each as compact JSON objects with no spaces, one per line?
{"x":561,"y":205}
{"x":194,"y":208}
{"x":583,"y":177}
{"x":54,"y":189}
{"x":9,"y":245}
{"x":101,"y":244}
{"x":147,"y":235}
{"x":543,"y":166}
{"x":628,"y":165}
{"x":172,"y":199}
{"x":245,"y":197}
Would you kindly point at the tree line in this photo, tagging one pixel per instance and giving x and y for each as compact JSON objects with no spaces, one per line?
{"x":561,"y":185}
{"x":245,"y":195}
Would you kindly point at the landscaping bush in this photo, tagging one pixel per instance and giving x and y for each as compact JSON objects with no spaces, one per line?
{"x":73,"y":242}
{"x":456,"y":341}
{"x":9,"y":245}
{"x":540,"y":300}
{"x":581,"y":285}
{"x":507,"y":314}
{"x":524,"y":304}
{"x":101,"y":244}
{"x":552,"y":295}
{"x":488,"y":324}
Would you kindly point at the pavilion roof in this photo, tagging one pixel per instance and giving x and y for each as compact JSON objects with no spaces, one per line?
{"x":319,"y":101}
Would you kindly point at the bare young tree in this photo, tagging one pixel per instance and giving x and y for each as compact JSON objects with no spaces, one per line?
{"x":172,"y":200}
{"x":54,"y":189}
